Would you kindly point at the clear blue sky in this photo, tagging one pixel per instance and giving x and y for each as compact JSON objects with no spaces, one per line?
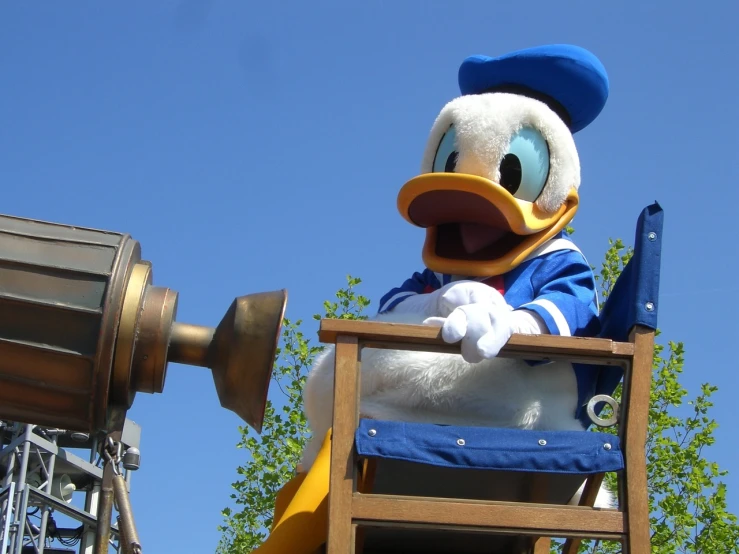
{"x":252,"y":146}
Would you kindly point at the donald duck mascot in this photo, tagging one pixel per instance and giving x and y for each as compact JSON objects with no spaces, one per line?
{"x":498,"y":185}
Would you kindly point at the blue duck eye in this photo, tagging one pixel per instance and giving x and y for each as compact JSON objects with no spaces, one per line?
{"x":525,"y":168}
{"x":446,"y":156}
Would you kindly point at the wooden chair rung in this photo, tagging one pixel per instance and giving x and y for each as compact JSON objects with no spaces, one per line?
{"x":492,"y":516}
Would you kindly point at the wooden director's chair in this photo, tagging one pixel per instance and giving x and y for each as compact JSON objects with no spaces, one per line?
{"x":409,"y":488}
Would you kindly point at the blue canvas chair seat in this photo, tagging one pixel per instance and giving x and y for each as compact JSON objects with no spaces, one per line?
{"x":503,"y":465}
{"x":447,"y":446}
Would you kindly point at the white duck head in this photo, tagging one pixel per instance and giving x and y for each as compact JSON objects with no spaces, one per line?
{"x":500,"y":174}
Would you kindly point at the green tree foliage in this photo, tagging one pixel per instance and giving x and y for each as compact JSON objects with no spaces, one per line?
{"x":274,"y":455}
{"x":687,"y":498}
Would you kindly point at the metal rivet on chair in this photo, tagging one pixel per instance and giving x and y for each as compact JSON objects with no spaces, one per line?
{"x":542,"y":442}
{"x":649,"y":306}
{"x":607,"y":446}
{"x":371,"y":432}
{"x":460,"y":442}
{"x":652,"y":236}
{"x":599,"y":421}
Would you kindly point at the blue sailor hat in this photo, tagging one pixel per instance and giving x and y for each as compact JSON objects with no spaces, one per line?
{"x":570,"y":79}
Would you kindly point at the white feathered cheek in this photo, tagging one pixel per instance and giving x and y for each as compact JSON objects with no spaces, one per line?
{"x":499,"y":177}
{"x":513,"y":141}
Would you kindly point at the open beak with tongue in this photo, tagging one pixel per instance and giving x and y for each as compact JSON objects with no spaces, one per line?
{"x":475,"y":227}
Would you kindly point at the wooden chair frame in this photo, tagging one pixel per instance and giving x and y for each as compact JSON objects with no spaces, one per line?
{"x":348,"y":508}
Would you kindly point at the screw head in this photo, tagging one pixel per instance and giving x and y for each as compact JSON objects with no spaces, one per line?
{"x":460,"y":442}
{"x":371,"y":432}
{"x":542,"y":442}
{"x":649,"y":306}
{"x":652,"y":236}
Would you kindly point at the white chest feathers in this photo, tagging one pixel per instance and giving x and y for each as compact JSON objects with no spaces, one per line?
{"x":443,"y":388}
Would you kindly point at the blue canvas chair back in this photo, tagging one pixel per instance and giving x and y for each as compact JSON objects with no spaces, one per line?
{"x":634,"y":300}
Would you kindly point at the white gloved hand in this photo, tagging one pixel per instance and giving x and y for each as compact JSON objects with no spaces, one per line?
{"x":462,"y":293}
{"x":483,"y":329}
{"x":440,"y":303}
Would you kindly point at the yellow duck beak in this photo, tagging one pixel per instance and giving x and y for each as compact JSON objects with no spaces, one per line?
{"x":475,"y":227}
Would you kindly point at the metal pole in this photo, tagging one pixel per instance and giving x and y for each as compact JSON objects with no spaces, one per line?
{"x":126,"y":526}
{"x":7,"y":508}
{"x":105,"y":507}
{"x":92,"y":501}
{"x":20,"y":518}
{"x":7,"y":512}
{"x":105,"y":512}
{"x":47,"y":490}
{"x":92,"y":496}
{"x":123,"y":541}
{"x":11,"y":458}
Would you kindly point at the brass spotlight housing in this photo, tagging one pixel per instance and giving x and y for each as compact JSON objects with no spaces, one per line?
{"x":83,"y":329}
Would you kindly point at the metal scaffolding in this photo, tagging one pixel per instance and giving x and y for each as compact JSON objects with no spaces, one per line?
{"x":50,"y":487}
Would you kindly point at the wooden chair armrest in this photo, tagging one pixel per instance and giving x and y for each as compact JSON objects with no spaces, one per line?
{"x":377,"y":334}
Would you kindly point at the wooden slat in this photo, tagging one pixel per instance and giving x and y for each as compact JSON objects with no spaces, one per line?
{"x":341,"y":530}
{"x":365,"y":481}
{"x":637,"y":387}
{"x":588,"y":497}
{"x":543,"y":545}
{"x":495,"y":517}
{"x":380,"y":331}
{"x":377,"y":334}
